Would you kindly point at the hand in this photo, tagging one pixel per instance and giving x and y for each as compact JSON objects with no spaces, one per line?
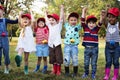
{"x":21,"y":12}
{"x":103,"y":14}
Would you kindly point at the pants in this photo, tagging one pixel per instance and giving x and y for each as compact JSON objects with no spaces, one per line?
{"x":71,"y":52}
{"x":4,"y":48}
{"x":90,"y":54}
{"x":112,"y":56}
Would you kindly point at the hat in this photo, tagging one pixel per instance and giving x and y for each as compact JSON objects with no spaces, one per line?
{"x":73,"y":14}
{"x":26,"y":15}
{"x":91,"y":17}
{"x":1,"y":7}
{"x":41,"y":19}
{"x":55,"y":16}
{"x":114,"y":11}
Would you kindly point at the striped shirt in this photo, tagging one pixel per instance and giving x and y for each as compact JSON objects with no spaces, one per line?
{"x":90,"y":37}
{"x":112,"y":33}
{"x":41,"y":34}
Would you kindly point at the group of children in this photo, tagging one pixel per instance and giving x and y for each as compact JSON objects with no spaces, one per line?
{"x":48,"y":41}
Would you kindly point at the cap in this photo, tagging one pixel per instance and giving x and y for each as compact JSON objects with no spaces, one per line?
{"x":55,"y":16}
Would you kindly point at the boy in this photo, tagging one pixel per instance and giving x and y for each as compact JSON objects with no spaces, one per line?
{"x":90,"y":42}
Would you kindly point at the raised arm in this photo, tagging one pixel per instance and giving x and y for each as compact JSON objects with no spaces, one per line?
{"x":84,"y":10}
{"x":61,"y":13}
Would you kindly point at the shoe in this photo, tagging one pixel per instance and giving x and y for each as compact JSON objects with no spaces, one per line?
{"x":107,"y":74}
{"x":6,"y":71}
{"x":58,"y":70}
{"x":37,"y":68}
{"x":93,"y":76}
{"x":44,"y":70}
{"x":116,"y":72}
{"x":74,"y":75}
{"x":84,"y":75}
{"x":18,"y":60}
{"x":54,"y":71}
{"x":26,"y":70}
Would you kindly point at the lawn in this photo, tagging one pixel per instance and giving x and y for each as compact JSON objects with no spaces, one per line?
{"x":16,"y":73}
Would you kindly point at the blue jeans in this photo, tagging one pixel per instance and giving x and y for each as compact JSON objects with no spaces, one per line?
{"x":112,"y":56}
{"x":90,"y":54}
{"x":4,"y":47}
{"x":71,"y":52}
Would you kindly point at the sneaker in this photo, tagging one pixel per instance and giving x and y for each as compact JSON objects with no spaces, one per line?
{"x":74,"y":75}
{"x":44,"y":71}
{"x":18,"y":60}
{"x":93,"y":76}
{"x":84,"y":75}
{"x":67,"y":74}
{"x":6,"y":71}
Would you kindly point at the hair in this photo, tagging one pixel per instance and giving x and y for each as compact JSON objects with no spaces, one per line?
{"x":73,"y":14}
{"x":42,"y":21}
{"x":91,"y":20}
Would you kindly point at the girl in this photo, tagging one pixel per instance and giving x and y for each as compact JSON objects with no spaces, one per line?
{"x":41,"y":32}
{"x":54,"y":41}
{"x":71,"y":42}
{"x":25,"y":41}
{"x":112,"y":43}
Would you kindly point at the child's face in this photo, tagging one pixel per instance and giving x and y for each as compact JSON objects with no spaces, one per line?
{"x":25,"y":21}
{"x":91,"y":24}
{"x":112,"y":19}
{"x":73,"y":21}
{"x":52,"y":21}
{"x":41,"y":24}
{"x":1,"y":13}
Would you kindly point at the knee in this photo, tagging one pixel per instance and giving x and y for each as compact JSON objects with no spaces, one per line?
{"x":75,"y":60}
{"x":66,"y":61}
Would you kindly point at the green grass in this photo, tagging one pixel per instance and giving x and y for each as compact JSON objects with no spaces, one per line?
{"x":16,"y":73}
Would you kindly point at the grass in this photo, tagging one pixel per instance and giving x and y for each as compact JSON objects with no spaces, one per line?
{"x":16,"y":73}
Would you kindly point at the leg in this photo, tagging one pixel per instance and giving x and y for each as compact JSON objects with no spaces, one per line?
{"x":6,"y":54}
{"x":59,"y":59}
{"x":0,"y":56}
{"x":108,"y":58}
{"x":116,"y":63}
{"x":45,"y":65}
{"x":38,"y":64}
{"x":94,"y":59}
{"x":86,"y":62}
{"x":26,"y":55}
{"x":74,"y":56}
{"x":67,"y":50}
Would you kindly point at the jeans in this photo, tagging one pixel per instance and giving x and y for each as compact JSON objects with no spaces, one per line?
{"x":90,"y":54}
{"x":4,"y":47}
{"x":71,"y":52}
{"x":112,"y":56}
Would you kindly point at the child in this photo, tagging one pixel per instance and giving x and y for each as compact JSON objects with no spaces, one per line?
{"x":71,"y":42}
{"x":54,"y":41}
{"x":26,"y":42}
{"x":112,"y":43}
{"x":90,"y":42}
{"x":41,"y":32}
{"x":4,"y":39}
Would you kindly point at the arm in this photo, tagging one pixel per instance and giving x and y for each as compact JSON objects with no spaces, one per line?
{"x":46,"y":18}
{"x":84,"y":10}
{"x":61,"y":13}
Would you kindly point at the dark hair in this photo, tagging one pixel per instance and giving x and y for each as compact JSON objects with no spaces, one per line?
{"x":91,"y":20}
{"x":42,"y":21}
{"x":73,"y":14}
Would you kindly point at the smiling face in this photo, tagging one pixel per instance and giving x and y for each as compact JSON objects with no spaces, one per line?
{"x":25,"y":21}
{"x":91,"y":24}
{"x":52,"y":21}
{"x":41,"y":24}
{"x":73,"y":21}
{"x":112,"y":19}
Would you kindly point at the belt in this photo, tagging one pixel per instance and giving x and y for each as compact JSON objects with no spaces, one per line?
{"x":89,"y":46}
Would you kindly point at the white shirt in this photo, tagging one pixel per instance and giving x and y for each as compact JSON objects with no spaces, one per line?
{"x":54,"y":34}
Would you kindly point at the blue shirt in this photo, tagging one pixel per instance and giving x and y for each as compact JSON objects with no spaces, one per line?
{"x":72,"y":32}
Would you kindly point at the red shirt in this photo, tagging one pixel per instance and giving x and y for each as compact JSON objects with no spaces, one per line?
{"x":41,"y":34}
